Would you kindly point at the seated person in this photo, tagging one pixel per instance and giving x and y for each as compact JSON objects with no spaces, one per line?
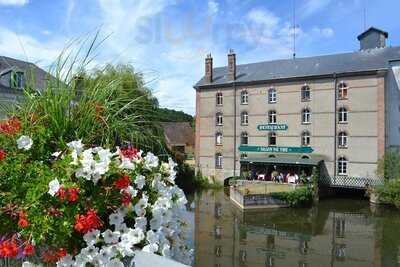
{"x":291,"y":178}
{"x":280,"y":178}
{"x":274,"y":176}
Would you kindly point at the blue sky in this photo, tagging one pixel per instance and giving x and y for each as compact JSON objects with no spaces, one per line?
{"x":167,"y":40}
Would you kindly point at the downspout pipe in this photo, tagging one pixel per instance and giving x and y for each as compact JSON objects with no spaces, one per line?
{"x":335,"y":126}
{"x":234,"y":128}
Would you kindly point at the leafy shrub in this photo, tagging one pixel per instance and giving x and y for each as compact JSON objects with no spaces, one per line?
{"x":300,"y":197}
{"x":390,"y":192}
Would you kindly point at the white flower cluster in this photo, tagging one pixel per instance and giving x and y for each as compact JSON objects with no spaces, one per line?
{"x":159,"y":227}
{"x":94,"y":162}
{"x":24,"y":142}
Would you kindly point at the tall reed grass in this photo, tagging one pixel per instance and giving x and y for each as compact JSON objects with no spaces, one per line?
{"x":104,"y":105}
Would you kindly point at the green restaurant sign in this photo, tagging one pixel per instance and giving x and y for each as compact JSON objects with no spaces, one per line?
{"x":272,"y":127}
{"x":276,"y":149}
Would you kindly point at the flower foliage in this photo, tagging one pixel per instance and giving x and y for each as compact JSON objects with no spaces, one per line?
{"x":85,"y":204}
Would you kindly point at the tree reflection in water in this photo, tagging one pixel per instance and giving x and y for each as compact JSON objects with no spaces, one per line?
{"x":337,"y":232}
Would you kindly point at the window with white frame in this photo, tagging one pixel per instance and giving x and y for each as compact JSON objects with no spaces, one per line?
{"x":272,"y":139}
{"x":219,"y":99}
{"x":342,"y":139}
{"x":272,"y":117}
{"x":342,"y":90}
{"x":218,"y":160}
{"x":342,"y":166}
{"x":244,"y":118}
{"x":244,"y":97}
{"x":305,"y":138}
{"x":343,"y":115}
{"x":272,"y":95}
{"x":305,"y":93}
{"x":306,"y":116}
{"x":219,"y":119}
{"x":244,"y":139}
{"x":218,"y":139}
{"x":17,"y":79}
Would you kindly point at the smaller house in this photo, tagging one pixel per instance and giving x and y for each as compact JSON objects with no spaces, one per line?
{"x":179,"y":137}
{"x":15,"y":75}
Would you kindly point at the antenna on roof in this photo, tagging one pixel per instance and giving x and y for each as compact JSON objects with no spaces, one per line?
{"x":294,"y":29}
{"x":365,"y":15}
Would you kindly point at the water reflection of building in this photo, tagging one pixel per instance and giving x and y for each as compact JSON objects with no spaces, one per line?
{"x":308,"y":237}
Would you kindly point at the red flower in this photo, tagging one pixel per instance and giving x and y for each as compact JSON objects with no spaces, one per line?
{"x":50,"y":257}
{"x":10,"y":126}
{"x":126,"y":198}
{"x":29,"y":250}
{"x":130,"y":153}
{"x":3,"y":154}
{"x":73,"y":194}
{"x":62,"y":252}
{"x":9,"y":248}
{"x":61,"y":193}
{"x":22,"y":220}
{"x":87,"y":222}
{"x":122,"y":182}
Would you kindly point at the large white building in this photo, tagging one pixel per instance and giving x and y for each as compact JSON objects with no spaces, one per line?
{"x":340,"y":112}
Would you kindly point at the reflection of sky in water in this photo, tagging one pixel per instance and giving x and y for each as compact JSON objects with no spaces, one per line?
{"x":338,"y":232}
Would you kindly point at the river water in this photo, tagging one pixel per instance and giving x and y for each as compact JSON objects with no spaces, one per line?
{"x":337,"y":232}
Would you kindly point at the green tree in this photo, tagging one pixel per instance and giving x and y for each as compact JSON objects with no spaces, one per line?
{"x":389,"y":166}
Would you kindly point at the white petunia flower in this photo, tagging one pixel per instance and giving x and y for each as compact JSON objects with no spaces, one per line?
{"x":130,"y":190}
{"x":91,"y":237}
{"x":56,"y":154}
{"x":133,"y":236}
{"x":66,"y":261}
{"x":140,"y":207}
{"x":115,"y":263}
{"x":111,"y":237}
{"x":150,"y":248}
{"x":122,"y":228}
{"x":156,"y":222}
{"x":140,"y":181}
{"x":166,"y":250}
{"x":126,"y":164}
{"x":89,"y":253}
{"x":76,"y":145}
{"x":28,"y":264}
{"x":116,"y":218}
{"x":54,"y":186}
{"x":152,"y":237}
{"x":141,"y":222}
{"x":150,"y":161}
{"x":24,"y":142}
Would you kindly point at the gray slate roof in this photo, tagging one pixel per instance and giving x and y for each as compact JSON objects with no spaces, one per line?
{"x":38,"y":74}
{"x":178,"y":133}
{"x":366,"y":60}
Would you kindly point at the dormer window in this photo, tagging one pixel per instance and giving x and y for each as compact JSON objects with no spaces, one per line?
{"x":17,"y":79}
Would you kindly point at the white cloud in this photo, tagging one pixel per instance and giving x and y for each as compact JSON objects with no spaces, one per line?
{"x":268,"y":36}
{"x":213,"y":7}
{"x":25,"y":47}
{"x":313,"y":6}
{"x":45,"y":32}
{"x":324,"y":32}
{"x":13,"y":2}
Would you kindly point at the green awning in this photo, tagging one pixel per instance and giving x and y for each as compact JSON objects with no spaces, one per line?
{"x":282,"y":160}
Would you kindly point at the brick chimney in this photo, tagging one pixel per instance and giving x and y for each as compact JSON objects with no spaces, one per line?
{"x":209,"y":69}
{"x":231,"y":65}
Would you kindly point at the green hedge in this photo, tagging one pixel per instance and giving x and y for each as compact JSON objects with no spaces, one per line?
{"x":301,"y":197}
